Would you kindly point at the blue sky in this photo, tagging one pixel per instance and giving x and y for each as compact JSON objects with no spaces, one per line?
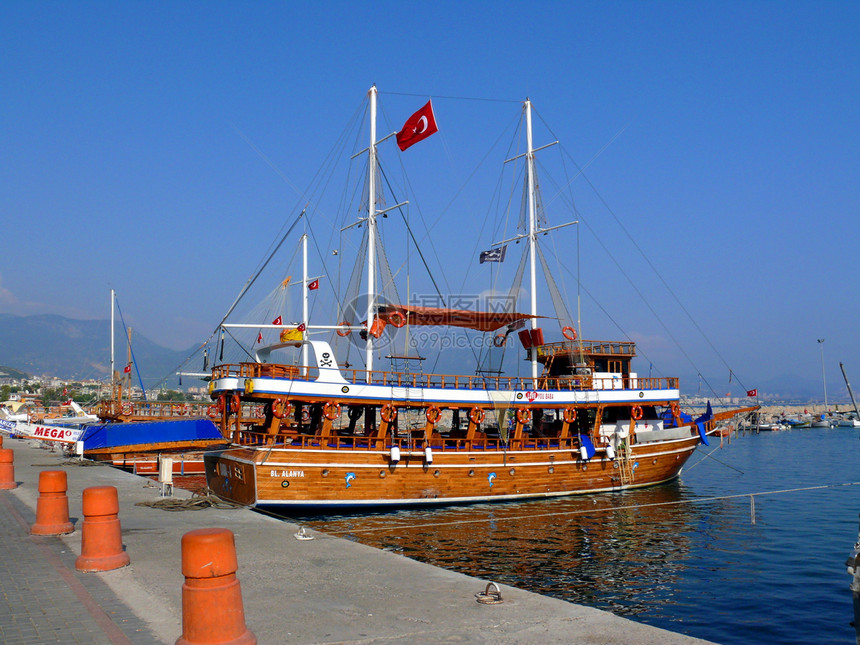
{"x":158,"y":148}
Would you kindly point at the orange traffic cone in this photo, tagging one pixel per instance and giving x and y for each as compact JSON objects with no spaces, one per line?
{"x":212,"y":610}
{"x":52,"y":507}
{"x":7,"y":469}
{"x":101,"y":540}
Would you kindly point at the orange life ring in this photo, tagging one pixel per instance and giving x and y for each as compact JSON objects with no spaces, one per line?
{"x":220,"y":404}
{"x":477,"y":415}
{"x":306,"y":415}
{"x":433,"y":414}
{"x":397,"y":319}
{"x":235,"y":404}
{"x":524,"y":415}
{"x":281,"y":408}
{"x":500,"y":340}
{"x":636,"y":412}
{"x":569,"y":415}
{"x":344,"y":330}
{"x":389,"y":413}
{"x":212,"y":411}
{"x":568,"y":332}
{"x":128,"y":408}
{"x":676,"y":409}
{"x":331,"y":410}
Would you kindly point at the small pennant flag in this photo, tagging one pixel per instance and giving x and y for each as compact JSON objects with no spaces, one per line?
{"x":494,"y":255}
{"x":127,"y":369}
{"x":260,"y":337}
{"x":314,"y":285}
{"x":752,"y":392}
{"x":277,"y":321}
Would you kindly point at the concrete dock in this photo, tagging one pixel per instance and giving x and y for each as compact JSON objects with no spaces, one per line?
{"x":325,"y":590}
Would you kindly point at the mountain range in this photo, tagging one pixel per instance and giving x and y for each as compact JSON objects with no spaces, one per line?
{"x":71,"y":349}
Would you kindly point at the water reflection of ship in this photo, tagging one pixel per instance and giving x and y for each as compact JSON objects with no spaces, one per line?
{"x":610,"y":551}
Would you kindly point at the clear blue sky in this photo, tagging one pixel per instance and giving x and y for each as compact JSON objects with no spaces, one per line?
{"x":157,"y":148}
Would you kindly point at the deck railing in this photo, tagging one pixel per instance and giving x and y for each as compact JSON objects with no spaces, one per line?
{"x":446,"y":381}
{"x":413,"y":446}
{"x":406,"y":380}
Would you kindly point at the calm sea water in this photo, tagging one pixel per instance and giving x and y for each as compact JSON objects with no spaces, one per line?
{"x":686,"y":556}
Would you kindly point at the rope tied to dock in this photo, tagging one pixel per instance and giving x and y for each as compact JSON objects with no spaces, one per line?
{"x":196,"y":502}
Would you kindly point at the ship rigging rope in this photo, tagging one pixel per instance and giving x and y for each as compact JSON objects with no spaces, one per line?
{"x":589,"y":511}
{"x":653,"y":268}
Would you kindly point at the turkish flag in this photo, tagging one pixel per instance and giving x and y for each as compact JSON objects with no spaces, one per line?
{"x":260,"y":337}
{"x":126,"y":369}
{"x":301,"y":327}
{"x":277,"y":321}
{"x":752,"y":392}
{"x":418,"y":127}
{"x":314,"y":285}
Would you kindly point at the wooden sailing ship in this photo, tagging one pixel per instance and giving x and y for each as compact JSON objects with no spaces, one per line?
{"x":332,"y":436}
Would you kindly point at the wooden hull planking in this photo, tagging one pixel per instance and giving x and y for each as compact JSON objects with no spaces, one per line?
{"x":303,"y":478}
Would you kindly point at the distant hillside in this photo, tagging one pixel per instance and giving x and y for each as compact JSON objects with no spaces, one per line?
{"x":78,"y":349}
{"x":11,"y":372}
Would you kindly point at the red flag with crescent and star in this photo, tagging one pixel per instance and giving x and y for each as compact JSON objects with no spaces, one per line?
{"x":752,"y":392}
{"x":314,"y":285}
{"x":277,"y":321}
{"x":418,"y":127}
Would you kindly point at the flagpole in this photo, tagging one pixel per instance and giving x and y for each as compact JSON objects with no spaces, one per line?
{"x":305,"y":296}
{"x":532,"y":235}
{"x":371,"y":234}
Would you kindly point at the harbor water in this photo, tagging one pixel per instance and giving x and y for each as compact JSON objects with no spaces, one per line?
{"x":748,"y":546}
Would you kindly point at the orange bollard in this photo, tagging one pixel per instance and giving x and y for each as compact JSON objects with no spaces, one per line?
{"x":52,"y":507}
{"x":7,"y":469}
{"x":101,"y":540}
{"x":212,"y":610}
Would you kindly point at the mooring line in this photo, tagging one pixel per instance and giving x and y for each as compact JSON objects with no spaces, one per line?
{"x":587,"y":510}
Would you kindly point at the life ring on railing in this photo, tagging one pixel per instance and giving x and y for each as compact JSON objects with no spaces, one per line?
{"x":569,"y":415}
{"x":388,"y":413}
{"x":676,"y":409}
{"x":524,"y":415}
{"x":235,"y":404}
{"x":636,"y":412}
{"x":568,"y":332}
{"x":128,"y":408}
{"x":344,"y":329}
{"x":331,"y":410}
{"x":220,"y":404}
{"x":305,"y":416}
{"x":433,"y":414}
{"x":397,"y":319}
{"x":500,"y":340}
{"x":212,"y":411}
{"x":477,"y":415}
{"x":281,"y":408}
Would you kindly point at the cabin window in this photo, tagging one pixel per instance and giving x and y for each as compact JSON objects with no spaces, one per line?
{"x":614,"y":366}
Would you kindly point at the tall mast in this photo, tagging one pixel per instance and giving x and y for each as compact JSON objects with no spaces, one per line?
{"x":530,"y":161}
{"x":305,"y":296}
{"x":112,"y":371}
{"x":371,"y":233}
{"x":823,"y":375}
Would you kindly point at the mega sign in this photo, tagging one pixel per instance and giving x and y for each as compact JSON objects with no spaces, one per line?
{"x":50,"y":433}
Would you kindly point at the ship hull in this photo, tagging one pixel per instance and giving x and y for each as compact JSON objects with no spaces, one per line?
{"x":332,"y":478}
